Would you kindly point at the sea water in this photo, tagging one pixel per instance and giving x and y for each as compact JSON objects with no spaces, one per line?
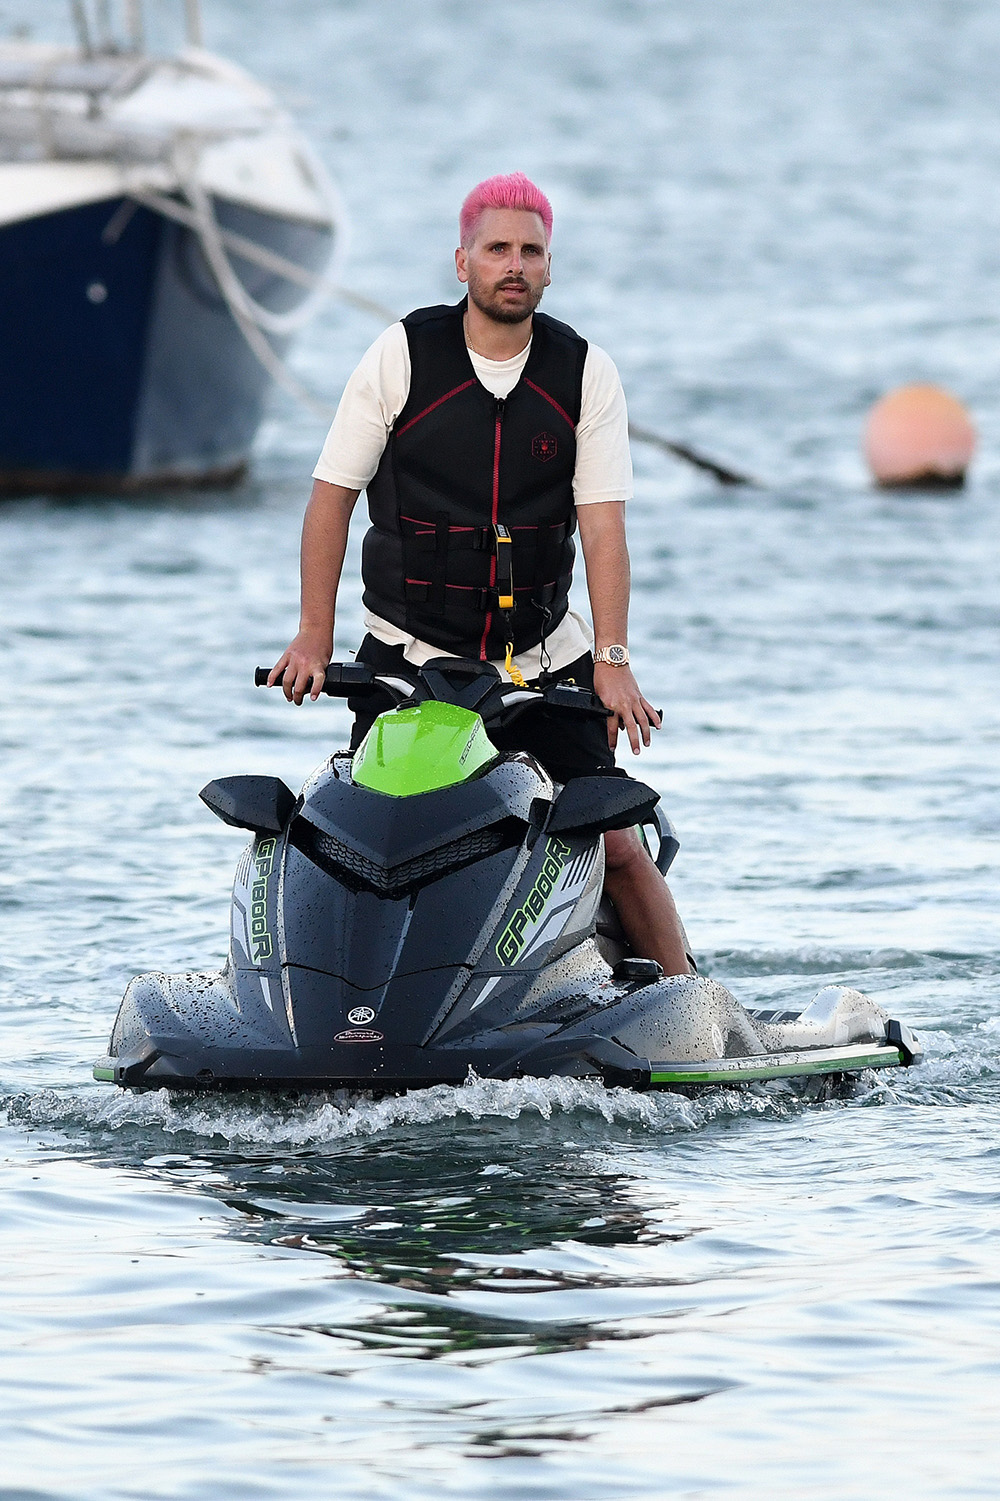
{"x":552,"y":1291}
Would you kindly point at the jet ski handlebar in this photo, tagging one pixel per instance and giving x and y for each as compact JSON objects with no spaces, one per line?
{"x":344,"y":679}
{"x":473,"y":685}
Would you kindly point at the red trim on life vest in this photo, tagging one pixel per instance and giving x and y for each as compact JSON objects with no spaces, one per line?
{"x":475,"y":589}
{"x":422,"y":521}
{"x":523,"y":526}
{"x":466,"y":588}
{"x":440,"y":401}
{"x":552,"y":403}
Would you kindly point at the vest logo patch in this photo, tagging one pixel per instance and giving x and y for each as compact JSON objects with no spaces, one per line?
{"x":544,"y":447}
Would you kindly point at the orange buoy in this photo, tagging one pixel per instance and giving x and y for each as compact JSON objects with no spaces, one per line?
{"x":919,"y":436}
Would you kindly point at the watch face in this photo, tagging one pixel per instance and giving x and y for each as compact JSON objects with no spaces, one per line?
{"x":618,"y":655}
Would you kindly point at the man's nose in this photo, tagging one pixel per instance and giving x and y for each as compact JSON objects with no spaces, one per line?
{"x":514,"y":260}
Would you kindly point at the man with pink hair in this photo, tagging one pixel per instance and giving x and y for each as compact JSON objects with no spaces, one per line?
{"x":469,"y":425}
{"x":515,"y":191}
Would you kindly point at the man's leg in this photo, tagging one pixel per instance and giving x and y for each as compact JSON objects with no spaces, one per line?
{"x":643,"y":902}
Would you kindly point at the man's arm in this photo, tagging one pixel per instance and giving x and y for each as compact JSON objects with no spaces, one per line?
{"x":602,"y":535}
{"x":324,"y":543}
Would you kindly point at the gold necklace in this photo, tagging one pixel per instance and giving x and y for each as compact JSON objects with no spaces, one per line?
{"x":469,"y":345}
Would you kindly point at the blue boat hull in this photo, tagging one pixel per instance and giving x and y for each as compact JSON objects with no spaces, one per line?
{"x":121,"y":367}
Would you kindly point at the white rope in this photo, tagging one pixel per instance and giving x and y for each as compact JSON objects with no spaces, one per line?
{"x":247,"y":313}
{"x":253,"y":320}
{"x":261,"y":255}
{"x":239,"y":304}
{"x":207,"y":229}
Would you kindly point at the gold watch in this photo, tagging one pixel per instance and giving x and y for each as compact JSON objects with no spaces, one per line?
{"x":615,"y":656}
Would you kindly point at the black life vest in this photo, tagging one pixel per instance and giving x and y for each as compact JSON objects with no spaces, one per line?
{"x":472,"y":503}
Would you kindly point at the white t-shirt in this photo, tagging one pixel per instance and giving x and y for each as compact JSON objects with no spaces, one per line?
{"x":376,"y":394}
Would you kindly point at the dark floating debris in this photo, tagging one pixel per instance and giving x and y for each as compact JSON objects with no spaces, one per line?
{"x":720,"y":472}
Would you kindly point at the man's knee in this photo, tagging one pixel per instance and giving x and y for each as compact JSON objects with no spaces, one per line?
{"x":622,"y":848}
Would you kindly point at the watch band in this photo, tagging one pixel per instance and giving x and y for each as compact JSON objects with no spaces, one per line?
{"x":615,"y":656}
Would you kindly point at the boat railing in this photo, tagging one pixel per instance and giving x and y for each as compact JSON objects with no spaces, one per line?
{"x":96,"y":32}
{"x":54,"y":102}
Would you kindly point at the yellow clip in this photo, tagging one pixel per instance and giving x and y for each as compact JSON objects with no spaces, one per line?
{"x":513,"y":672}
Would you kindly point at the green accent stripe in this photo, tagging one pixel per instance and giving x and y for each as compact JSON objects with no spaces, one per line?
{"x":104,"y":1072}
{"x":743,"y":1071}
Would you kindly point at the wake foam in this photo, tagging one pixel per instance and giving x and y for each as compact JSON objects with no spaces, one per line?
{"x":318,"y":1120}
{"x":958,"y":1069}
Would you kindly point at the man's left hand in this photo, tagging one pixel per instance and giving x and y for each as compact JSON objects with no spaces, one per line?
{"x":618,"y":691}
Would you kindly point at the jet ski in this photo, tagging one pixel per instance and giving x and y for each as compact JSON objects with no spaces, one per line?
{"x":426,"y":909}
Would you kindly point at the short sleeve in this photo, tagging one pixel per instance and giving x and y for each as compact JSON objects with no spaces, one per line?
{"x":603,"y":461}
{"x":373,"y":398}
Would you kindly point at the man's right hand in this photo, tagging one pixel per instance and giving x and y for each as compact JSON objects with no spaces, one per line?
{"x":304,"y":665}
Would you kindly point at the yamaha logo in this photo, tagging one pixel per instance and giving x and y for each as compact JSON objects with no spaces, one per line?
{"x":361,"y":1016}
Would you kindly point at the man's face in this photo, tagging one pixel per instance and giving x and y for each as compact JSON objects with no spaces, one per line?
{"x":507,"y":265}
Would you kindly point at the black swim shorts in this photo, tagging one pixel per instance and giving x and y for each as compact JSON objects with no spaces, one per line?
{"x":565,"y":748}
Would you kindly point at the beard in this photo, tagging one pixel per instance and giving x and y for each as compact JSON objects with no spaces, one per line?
{"x":488,"y":298}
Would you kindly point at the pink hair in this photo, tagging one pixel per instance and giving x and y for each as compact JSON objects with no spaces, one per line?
{"x":512,"y":190}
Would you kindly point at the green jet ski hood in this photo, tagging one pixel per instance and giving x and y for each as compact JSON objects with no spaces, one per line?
{"x":422,"y":749}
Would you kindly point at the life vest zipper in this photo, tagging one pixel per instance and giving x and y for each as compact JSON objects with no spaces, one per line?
{"x":498,"y":407}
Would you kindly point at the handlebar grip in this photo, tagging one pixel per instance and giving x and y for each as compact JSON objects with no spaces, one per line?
{"x":342,"y":678}
{"x":577,"y":700}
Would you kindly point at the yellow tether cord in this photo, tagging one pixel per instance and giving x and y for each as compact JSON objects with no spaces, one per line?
{"x":513,"y":671}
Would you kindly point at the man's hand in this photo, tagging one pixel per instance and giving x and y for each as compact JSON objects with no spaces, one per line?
{"x":618,"y":691}
{"x":304,"y":665}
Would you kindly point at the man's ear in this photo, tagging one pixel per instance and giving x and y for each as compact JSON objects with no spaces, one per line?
{"x":548,"y":271}
{"x":462,"y":264}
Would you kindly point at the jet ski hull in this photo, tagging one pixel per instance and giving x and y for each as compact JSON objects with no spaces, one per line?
{"x":388,"y":941}
{"x":683,"y":1033}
